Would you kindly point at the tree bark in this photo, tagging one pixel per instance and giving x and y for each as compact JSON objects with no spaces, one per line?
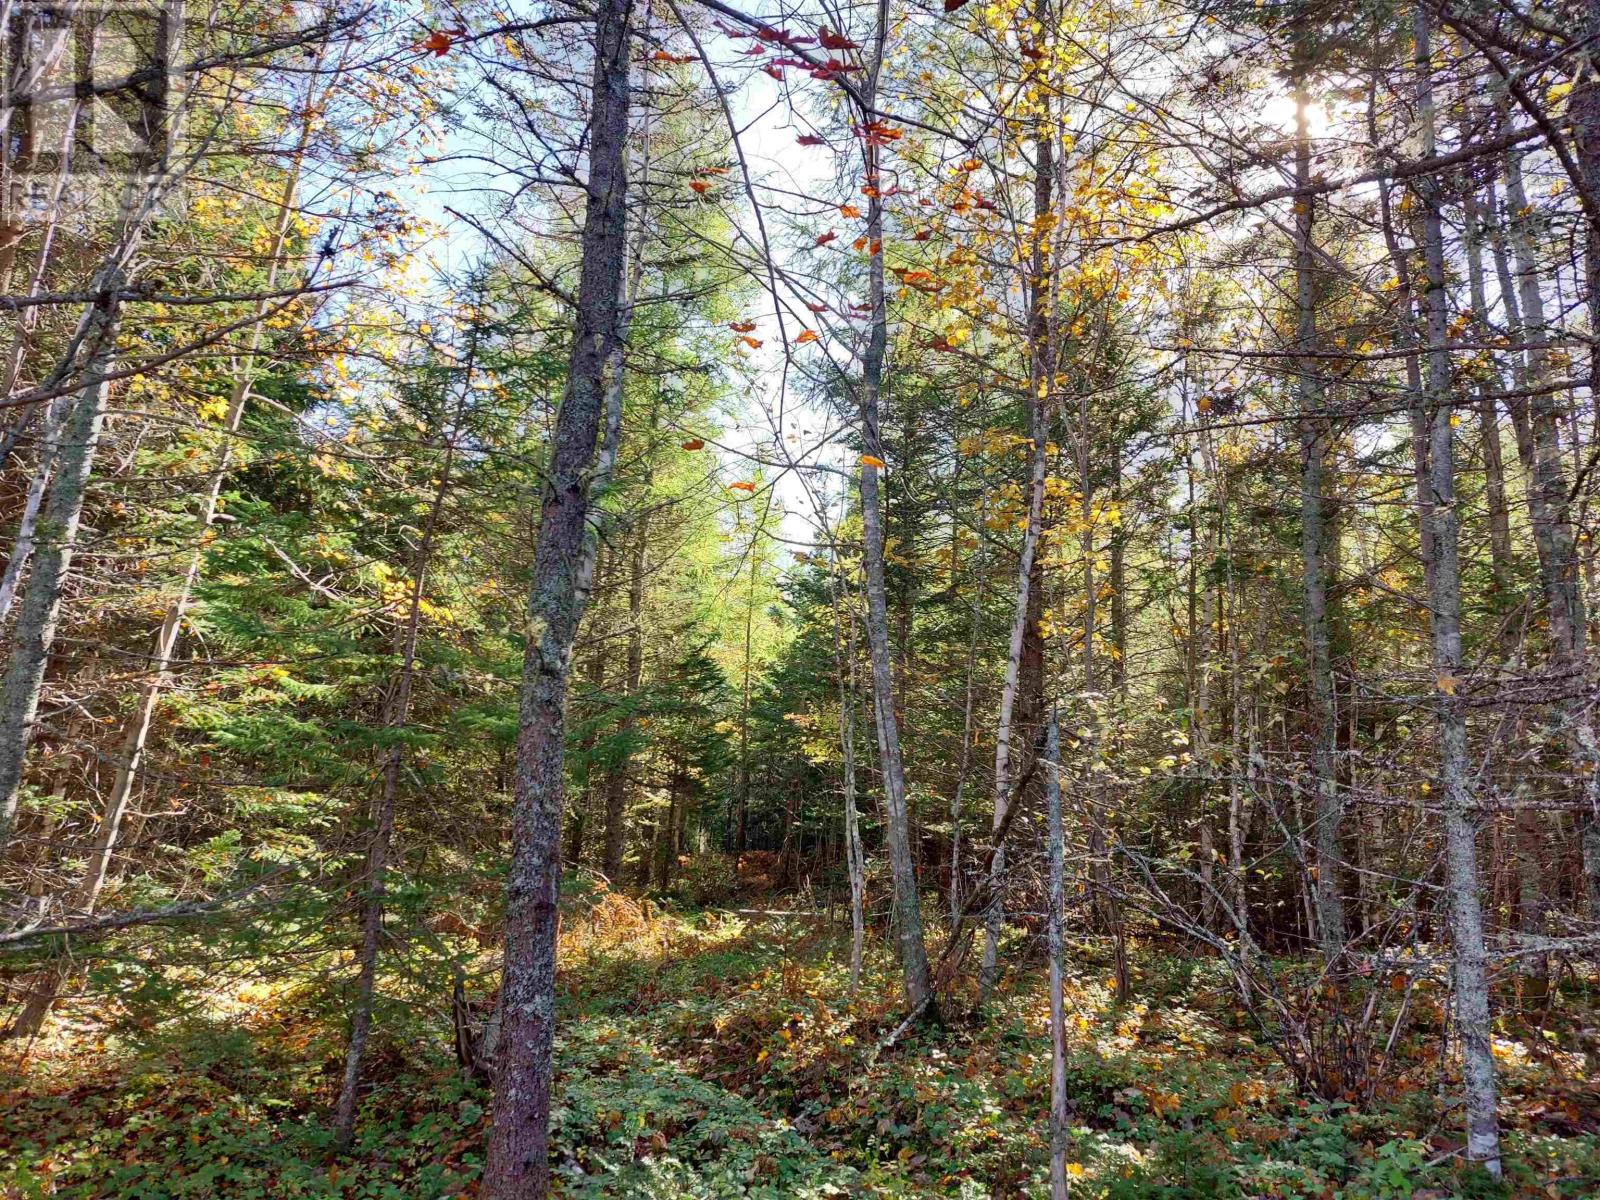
{"x":619,"y":780}
{"x":57,"y":536}
{"x":844,"y":657}
{"x":964,"y":766}
{"x":1027,"y":610}
{"x":377,"y":865}
{"x":1060,"y":1129}
{"x":897,"y":818}
{"x":1328,"y":805}
{"x":1461,"y":856}
{"x":1549,"y":515}
{"x":518,"y":1166}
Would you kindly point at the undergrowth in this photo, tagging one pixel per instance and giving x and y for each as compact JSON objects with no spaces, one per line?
{"x":710,"y":1056}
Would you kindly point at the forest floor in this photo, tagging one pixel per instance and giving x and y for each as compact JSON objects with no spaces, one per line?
{"x":717,"y":1055}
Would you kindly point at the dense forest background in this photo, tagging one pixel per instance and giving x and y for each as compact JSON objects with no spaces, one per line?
{"x":934,"y":599}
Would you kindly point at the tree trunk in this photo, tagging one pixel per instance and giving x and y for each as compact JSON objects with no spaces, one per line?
{"x":844,"y":657}
{"x":377,"y":866}
{"x":1494,"y":470}
{"x":40,"y":611}
{"x":897,"y":818}
{"x":55,"y":539}
{"x":1314,"y":444}
{"x":1026,"y":612}
{"x":518,"y":1166}
{"x":1461,"y":856}
{"x":620,"y":778}
{"x":1059,"y":1110}
{"x":964,"y":767}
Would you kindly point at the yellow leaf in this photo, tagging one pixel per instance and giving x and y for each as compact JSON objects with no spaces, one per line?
{"x":1448,"y":684}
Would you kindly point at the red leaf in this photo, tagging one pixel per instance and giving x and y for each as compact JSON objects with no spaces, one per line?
{"x":439,"y":42}
{"x":878,"y":133}
{"x":775,"y":72}
{"x":694,"y":444}
{"x":827,"y":237}
{"x":817,"y":308}
{"x":835,"y":41}
{"x":810,"y":139}
{"x":952,"y":5}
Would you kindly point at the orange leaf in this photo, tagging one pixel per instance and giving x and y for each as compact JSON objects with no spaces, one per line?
{"x":849,"y":210}
{"x":743,"y":326}
{"x":872,"y":460}
{"x":694,"y":444}
{"x":439,"y":42}
{"x":699,"y":186}
{"x":753,"y":343}
{"x":805,"y":336}
{"x":860,"y":243}
{"x":743,"y":486}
